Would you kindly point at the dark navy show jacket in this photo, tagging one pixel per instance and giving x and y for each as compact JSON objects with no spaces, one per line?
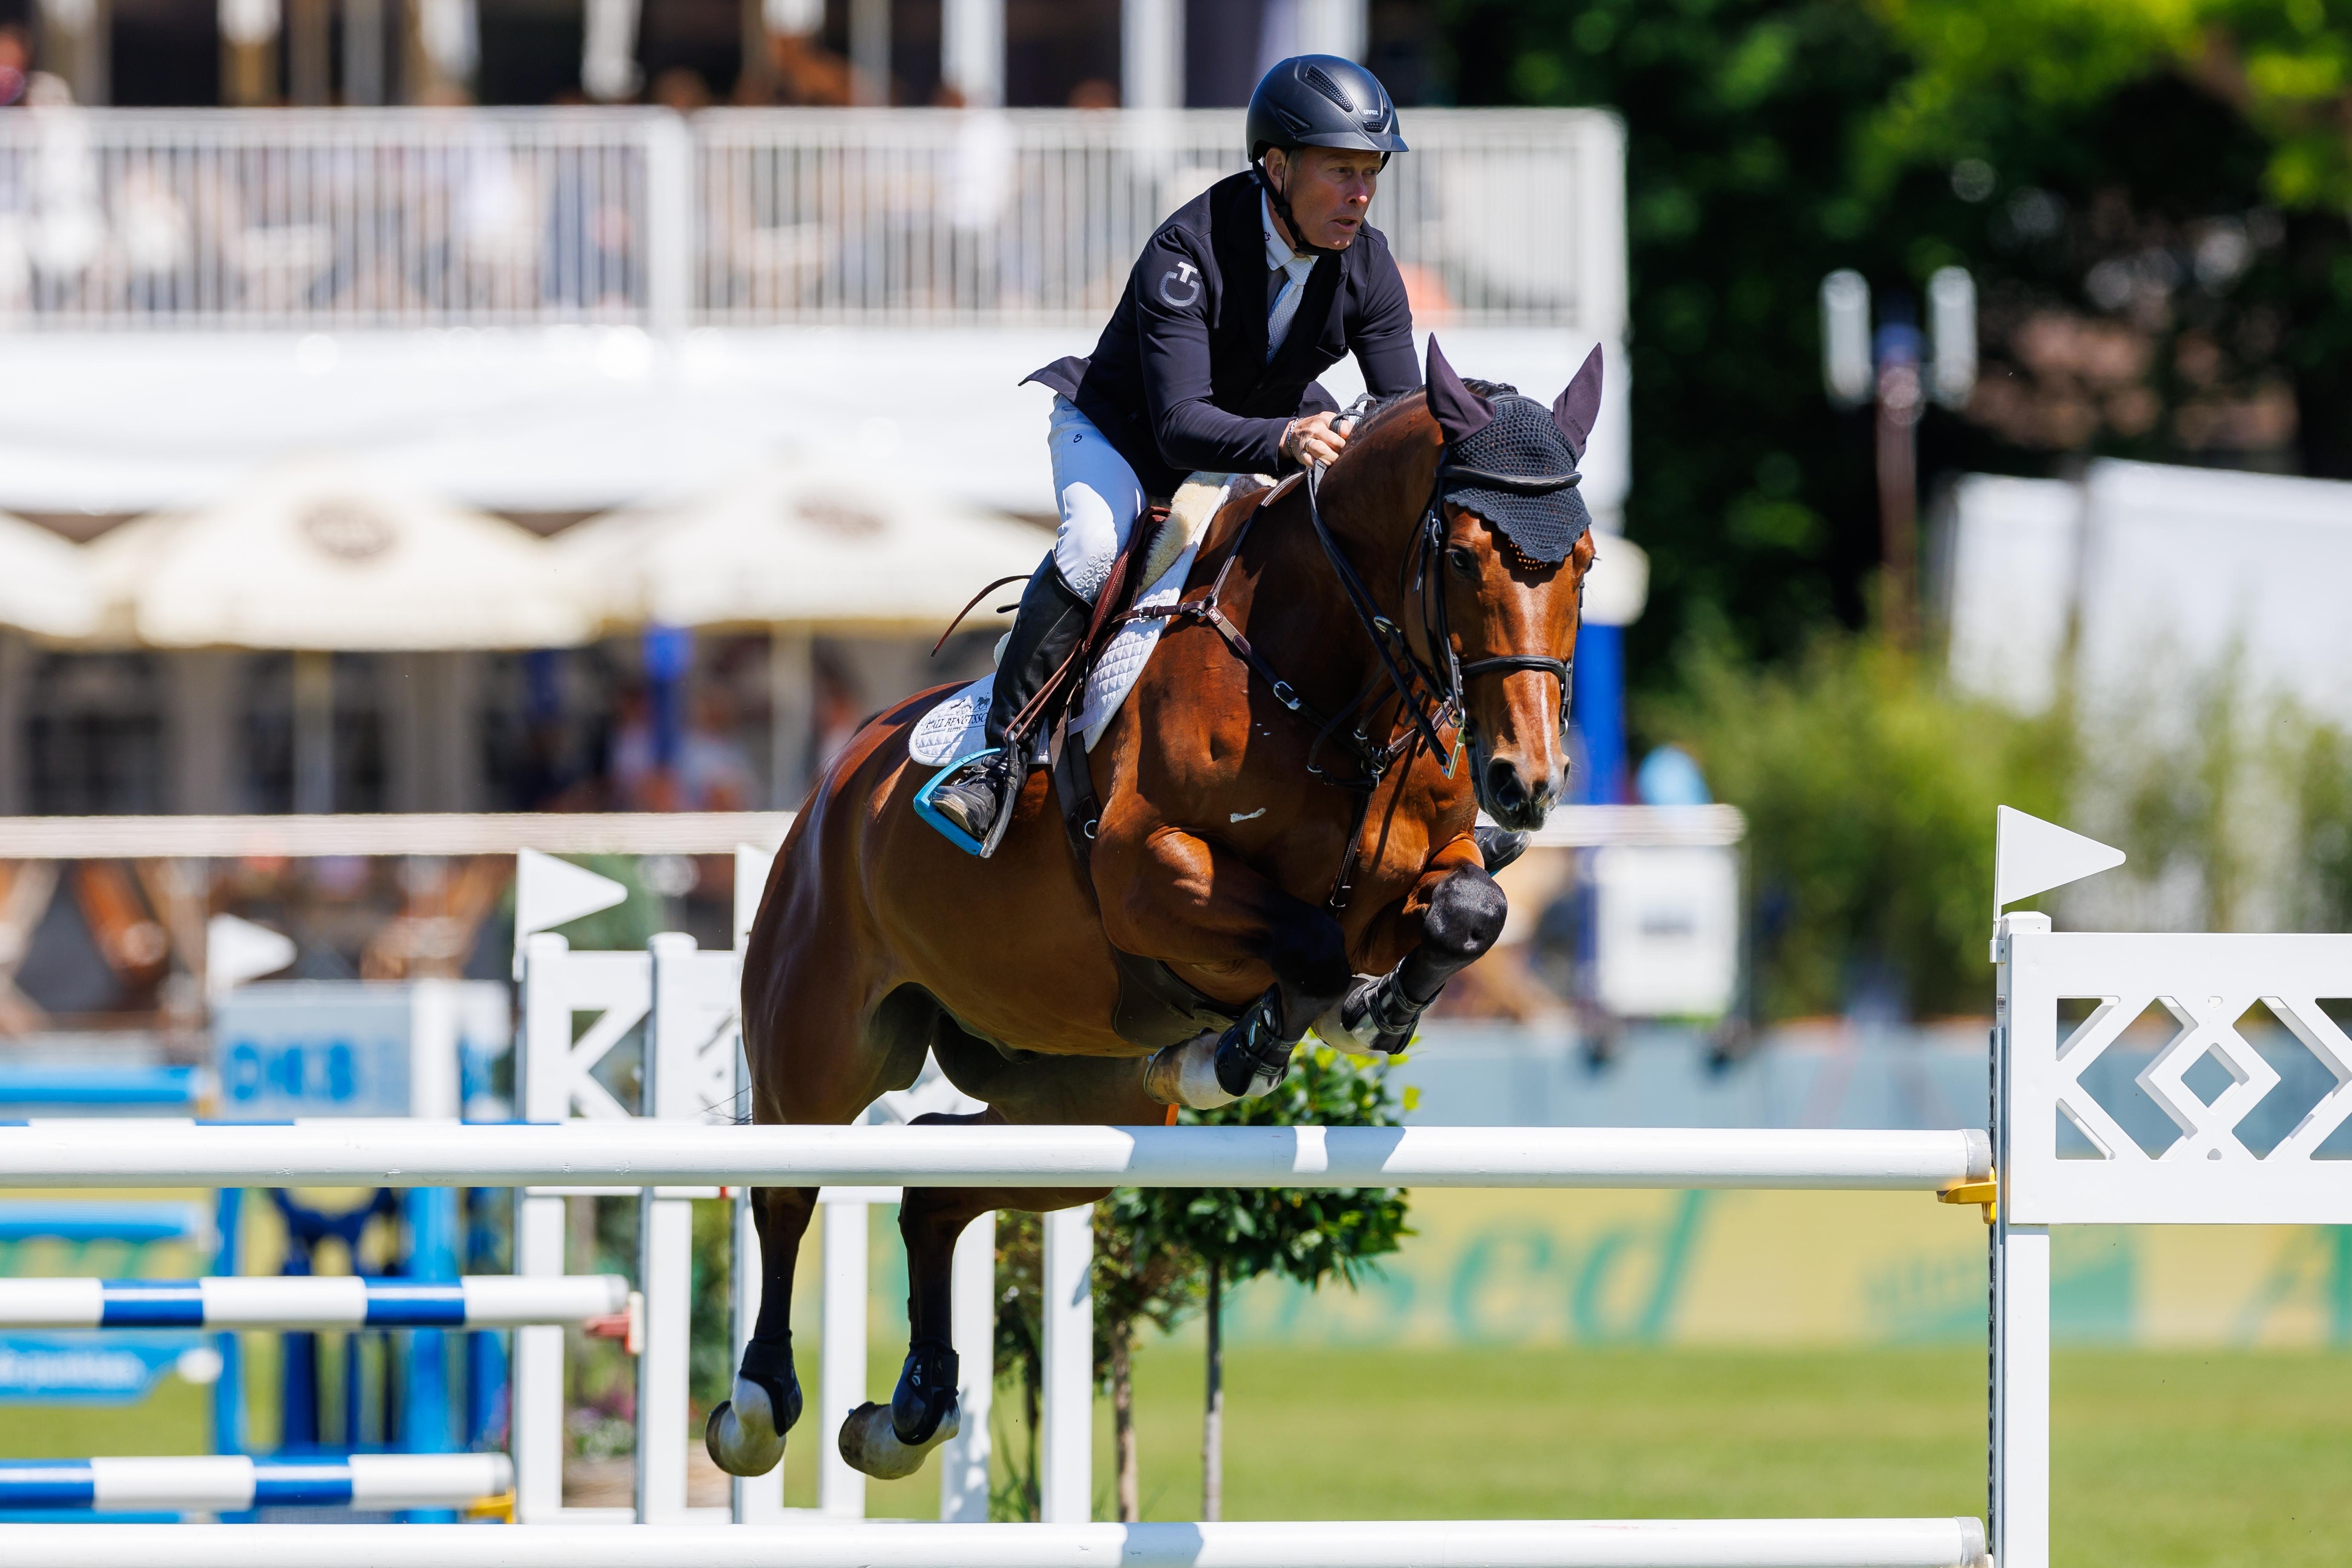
{"x":1179,"y":381}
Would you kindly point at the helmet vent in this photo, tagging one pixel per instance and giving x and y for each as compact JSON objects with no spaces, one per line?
{"x":1314,"y":77}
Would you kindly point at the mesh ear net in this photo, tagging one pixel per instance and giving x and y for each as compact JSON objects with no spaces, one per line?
{"x":1542,"y":515}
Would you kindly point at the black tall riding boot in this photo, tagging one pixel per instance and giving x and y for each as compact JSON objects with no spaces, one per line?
{"x":1052,"y":620}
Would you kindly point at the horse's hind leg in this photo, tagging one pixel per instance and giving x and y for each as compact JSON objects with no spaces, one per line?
{"x":818,"y":1060}
{"x":892,"y":1440}
{"x":745,"y":1434}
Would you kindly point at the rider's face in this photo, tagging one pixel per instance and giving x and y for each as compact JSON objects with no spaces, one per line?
{"x":1329,"y":189}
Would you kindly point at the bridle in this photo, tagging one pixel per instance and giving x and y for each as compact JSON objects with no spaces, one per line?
{"x":1429,"y":696}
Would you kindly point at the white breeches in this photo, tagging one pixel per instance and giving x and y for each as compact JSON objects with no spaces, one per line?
{"x":1098,"y":494}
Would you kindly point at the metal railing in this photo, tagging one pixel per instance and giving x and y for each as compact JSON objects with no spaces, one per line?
{"x":346,"y":219}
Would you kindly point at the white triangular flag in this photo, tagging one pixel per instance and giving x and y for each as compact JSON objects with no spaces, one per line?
{"x":2031,"y":856}
{"x":236,"y":951}
{"x":550,"y":892}
{"x":751,"y":867}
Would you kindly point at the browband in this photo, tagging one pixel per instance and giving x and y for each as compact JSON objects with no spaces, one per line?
{"x":1517,"y":484}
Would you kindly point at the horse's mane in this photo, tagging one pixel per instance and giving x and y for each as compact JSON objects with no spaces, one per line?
{"x":1370,"y":410}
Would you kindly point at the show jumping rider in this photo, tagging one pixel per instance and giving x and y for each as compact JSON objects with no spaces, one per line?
{"x":1239,"y":301}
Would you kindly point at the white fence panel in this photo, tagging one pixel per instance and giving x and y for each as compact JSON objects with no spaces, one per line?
{"x":345,"y":219}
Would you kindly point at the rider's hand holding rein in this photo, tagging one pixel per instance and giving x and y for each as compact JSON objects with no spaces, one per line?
{"x":1316,"y":439}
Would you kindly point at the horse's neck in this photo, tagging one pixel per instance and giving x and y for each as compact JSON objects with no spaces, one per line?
{"x":1371,"y":505}
{"x":1301,"y":616}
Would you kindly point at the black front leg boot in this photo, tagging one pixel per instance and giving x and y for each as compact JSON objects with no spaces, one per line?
{"x":1252,"y":1055}
{"x":926,"y":1391}
{"x":1498,"y":847}
{"x":1378,"y":1015}
{"x":745,"y":1434}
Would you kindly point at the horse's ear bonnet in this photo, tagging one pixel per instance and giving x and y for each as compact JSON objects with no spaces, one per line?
{"x":1513,"y":461}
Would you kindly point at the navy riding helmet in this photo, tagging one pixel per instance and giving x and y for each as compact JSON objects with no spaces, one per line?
{"x":1322,"y":101}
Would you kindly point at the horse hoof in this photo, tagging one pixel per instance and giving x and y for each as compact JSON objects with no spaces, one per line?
{"x":741,"y":1435}
{"x":1186,"y":1074}
{"x":869,"y":1444}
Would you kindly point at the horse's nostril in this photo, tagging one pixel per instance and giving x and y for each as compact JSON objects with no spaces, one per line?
{"x":1504,"y":786}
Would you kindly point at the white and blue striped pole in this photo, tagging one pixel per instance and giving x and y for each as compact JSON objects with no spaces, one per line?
{"x":309,"y":1301}
{"x":230,"y":1483}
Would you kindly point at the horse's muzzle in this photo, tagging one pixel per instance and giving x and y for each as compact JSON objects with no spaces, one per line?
{"x":1511,"y":798}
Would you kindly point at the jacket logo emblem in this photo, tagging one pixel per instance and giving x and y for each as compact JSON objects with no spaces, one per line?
{"x":1182,"y":286}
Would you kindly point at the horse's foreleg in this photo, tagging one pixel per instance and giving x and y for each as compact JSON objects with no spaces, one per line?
{"x":745,"y":1434}
{"x":1188,"y":901}
{"x":1452,"y":916}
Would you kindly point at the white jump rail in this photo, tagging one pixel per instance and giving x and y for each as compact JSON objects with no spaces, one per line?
{"x":234,"y":1482}
{"x":1388,"y":1543}
{"x":69,"y":1152}
{"x":314,"y":1302}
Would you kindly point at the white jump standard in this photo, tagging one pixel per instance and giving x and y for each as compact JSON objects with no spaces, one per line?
{"x":317,"y":1302}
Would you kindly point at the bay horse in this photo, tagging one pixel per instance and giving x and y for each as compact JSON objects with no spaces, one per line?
{"x":1256,"y":862}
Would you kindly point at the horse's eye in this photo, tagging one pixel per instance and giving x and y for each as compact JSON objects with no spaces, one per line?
{"x":1462,"y":561}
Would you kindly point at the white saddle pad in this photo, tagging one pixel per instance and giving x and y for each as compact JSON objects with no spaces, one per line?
{"x":957,"y":727}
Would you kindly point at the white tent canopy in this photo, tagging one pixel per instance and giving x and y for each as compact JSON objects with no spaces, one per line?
{"x":805,"y":545}
{"x":327,"y":553}
{"x":45,"y":581}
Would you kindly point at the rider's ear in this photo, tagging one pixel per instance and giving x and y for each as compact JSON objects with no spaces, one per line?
{"x":1579,"y":403}
{"x":1459,"y":411}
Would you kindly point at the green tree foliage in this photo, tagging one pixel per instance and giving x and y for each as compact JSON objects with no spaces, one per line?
{"x":2150,"y":193}
{"x":1304,"y":1236}
{"x":1870,"y":794}
{"x":1161,"y":1253}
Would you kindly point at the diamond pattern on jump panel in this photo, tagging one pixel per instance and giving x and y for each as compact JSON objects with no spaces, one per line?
{"x":2206,"y":1037}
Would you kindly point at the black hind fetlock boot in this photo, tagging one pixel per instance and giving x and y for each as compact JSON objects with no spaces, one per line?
{"x":1052,"y":621}
{"x":926,"y":1391}
{"x":769,"y":1363}
{"x":1252,"y":1056}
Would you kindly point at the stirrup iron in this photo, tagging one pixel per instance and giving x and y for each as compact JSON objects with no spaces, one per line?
{"x":946,"y":828}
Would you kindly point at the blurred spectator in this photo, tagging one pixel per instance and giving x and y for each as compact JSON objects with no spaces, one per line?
{"x":1095,"y":92}
{"x":714,"y":771}
{"x":15,"y":64}
{"x":682,"y":88}
{"x":632,"y":765}
{"x":807,"y":73}
{"x":837,"y":711}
